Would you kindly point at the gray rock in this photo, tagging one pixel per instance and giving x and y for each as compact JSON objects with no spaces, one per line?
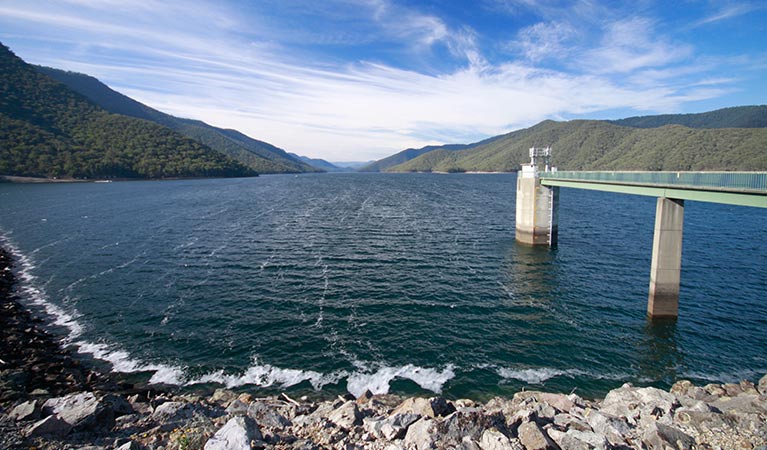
{"x":566,"y":421}
{"x":119,"y":405}
{"x":578,"y":440}
{"x":267,"y":416}
{"x":493,"y":439}
{"x":659,"y":436}
{"x":612,"y":428}
{"x":52,"y":425}
{"x":173,"y":412}
{"x":346,"y":416}
{"x":395,"y":426}
{"x":470,"y":423}
{"x":635,"y":403}
{"x":431,"y":407}
{"x":533,"y":437}
{"x":25,"y":411}
{"x":762,"y":386}
{"x":237,"y":434}
{"x":237,"y":408}
{"x":744,"y":403}
{"x":83,"y":411}
{"x":130,"y":445}
{"x":420,"y":435}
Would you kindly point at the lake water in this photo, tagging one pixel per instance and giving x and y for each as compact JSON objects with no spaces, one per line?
{"x":406,"y":283}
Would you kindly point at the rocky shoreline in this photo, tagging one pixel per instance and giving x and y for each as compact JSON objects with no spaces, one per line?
{"x":51,"y":400}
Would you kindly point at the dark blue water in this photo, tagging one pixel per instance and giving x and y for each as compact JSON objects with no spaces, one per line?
{"x":407,"y":283}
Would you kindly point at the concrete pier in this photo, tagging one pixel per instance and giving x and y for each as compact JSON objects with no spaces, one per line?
{"x":536,"y":219}
{"x":537,"y":205}
{"x":665,"y":271}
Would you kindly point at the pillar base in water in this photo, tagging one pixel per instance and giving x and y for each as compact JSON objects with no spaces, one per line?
{"x":536,"y":218}
{"x":665,"y":272}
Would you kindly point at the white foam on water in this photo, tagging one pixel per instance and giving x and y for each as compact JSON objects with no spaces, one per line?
{"x":268,"y":375}
{"x":122,"y":362}
{"x":537,"y":375}
{"x":378,"y":382}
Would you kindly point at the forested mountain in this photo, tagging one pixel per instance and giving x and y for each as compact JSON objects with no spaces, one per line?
{"x":48,"y":130}
{"x":736,"y":117}
{"x":406,"y":155}
{"x":726,"y":139}
{"x":260,"y":156}
{"x":599,"y":145}
{"x":321,"y":164}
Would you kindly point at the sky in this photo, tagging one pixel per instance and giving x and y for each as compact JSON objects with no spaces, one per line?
{"x":358,"y":80}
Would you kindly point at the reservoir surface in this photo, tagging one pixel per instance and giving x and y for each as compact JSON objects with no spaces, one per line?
{"x":401,"y":283}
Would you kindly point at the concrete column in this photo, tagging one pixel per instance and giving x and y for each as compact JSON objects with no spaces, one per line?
{"x":536,"y":219}
{"x":663,"y":301}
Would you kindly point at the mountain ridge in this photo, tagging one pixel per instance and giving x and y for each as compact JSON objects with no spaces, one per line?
{"x":49,"y":130}
{"x":259,"y":155}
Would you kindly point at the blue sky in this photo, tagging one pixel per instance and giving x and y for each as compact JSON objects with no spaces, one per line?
{"x":355,"y":80}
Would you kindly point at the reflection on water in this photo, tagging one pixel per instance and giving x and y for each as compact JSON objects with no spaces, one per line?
{"x":659,"y":356}
{"x":531,"y":274}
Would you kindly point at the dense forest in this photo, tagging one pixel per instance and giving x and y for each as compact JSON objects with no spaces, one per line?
{"x":705,"y":143}
{"x":48,"y":130}
{"x":258,"y":155}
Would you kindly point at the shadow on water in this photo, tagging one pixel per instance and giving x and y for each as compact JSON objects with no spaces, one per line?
{"x":659,"y":356}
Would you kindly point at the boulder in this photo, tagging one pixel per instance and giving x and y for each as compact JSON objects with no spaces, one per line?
{"x":237,"y":434}
{"x":119,"y":405}
{"x":656,"y":435}
{"x":762,"y":386}
{"x":493,"y":439}
{"x":346,"y":416}
{"x":169,"y":412}
{"x":395,"y":426}
{"x":431,"y":407}
{"x":83,"y":411}
{"x":50,"y":426}
{"x":634,"y":403}
{"x":420,"y":435}
{"x":267,"y":415}
{"x":533,"y":437}
{"x":472,"y":423}
{"x":578,"y":440}
{"x":613,"y":428}
{"x":28,"y":410}
{"x":237,"y":408}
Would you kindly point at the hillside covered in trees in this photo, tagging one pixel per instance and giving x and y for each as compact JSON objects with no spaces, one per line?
{"x":48,"y":130}
{"x":727,"y":139}
{"x":258,"y":155}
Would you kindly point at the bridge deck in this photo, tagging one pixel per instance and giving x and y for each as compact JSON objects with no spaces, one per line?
{"x":736,"y":188}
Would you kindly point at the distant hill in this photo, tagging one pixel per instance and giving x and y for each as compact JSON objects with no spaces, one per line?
{"x":405,"y":156}
{"x":600,"y":145}
{"x":321,"y":164}
{"x":260,"y":156}
{"x":736,"y":117}
{"x":49,"y":130}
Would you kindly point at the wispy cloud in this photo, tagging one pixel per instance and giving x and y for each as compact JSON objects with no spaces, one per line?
{"x":728,"y":11}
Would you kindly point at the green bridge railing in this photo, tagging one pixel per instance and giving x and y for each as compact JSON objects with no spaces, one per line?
{"x":753,"y":182}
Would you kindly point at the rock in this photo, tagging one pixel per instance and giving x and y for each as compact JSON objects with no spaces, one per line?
{"x":471,"y":423}
{"x":223,"y":396}
{"x":493,"y":439}
{"x":173,"y":412}
{"x":612,"y":428}
{"x":25,"y":411}
{"x":762,"y":386}
{"x":744,"y":403}
{"x":346,"y":415}
{"x":533,"y":437}
{"x":560,"y":402}
{"x":83,"y":411}
{"x":567,"y":421}
{"x":237,"y":434}
{"x":578,"y":440}
{"x":395,"y":426}
{"x":50,"y":426}
{"x":681,"y":387}
{"x":267,"y":416}
{"x":420,"y":435}
{"x":431,"y":407}
{"x":659,"y":436}
{"x":130,"y":445}
{"x":237,"y":407}
{"x":634,"y":403}
{"x":119,"y":405}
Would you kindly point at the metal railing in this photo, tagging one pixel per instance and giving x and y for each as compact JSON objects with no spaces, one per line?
{"x":724,"y":181}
